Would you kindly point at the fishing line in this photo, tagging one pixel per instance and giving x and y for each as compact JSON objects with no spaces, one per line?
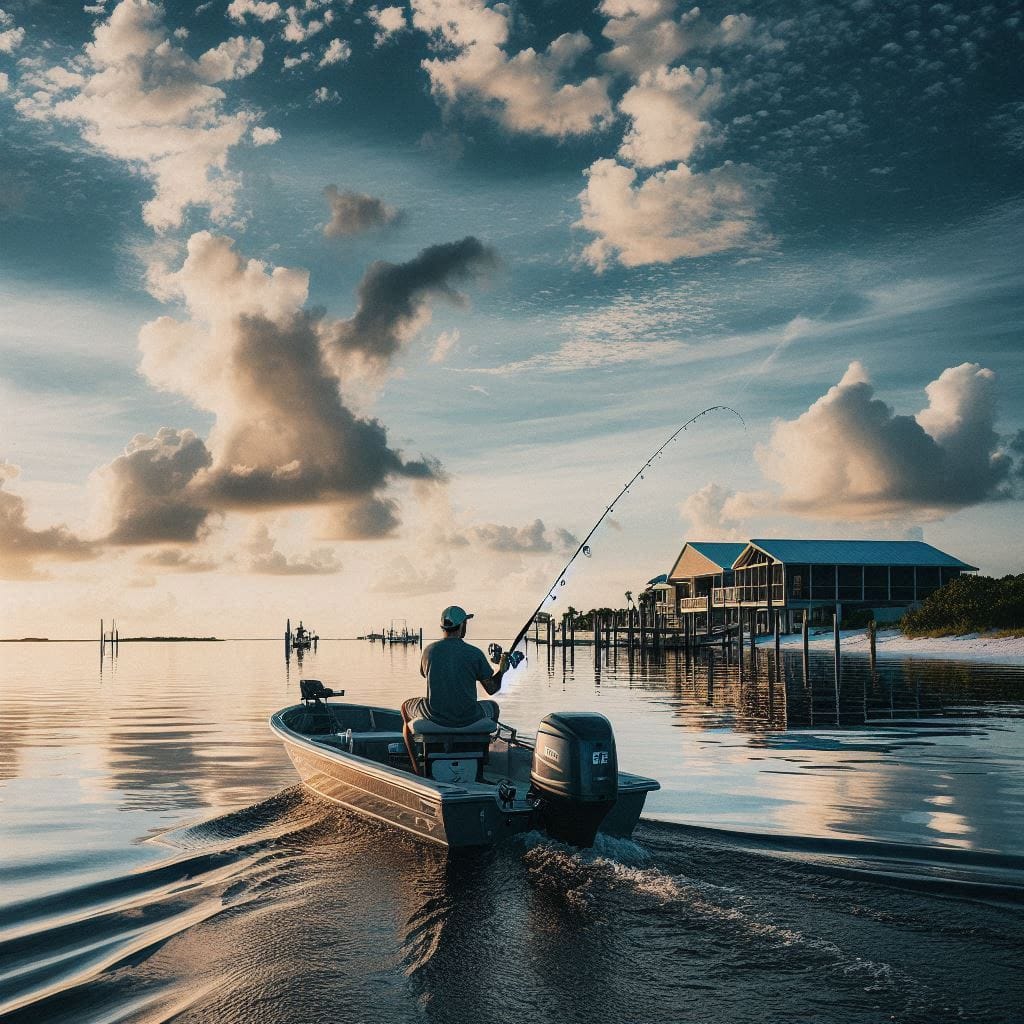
{"x":515,"y":655}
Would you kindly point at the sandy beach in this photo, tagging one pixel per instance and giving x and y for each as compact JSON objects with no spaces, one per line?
{"x":891,"y":643}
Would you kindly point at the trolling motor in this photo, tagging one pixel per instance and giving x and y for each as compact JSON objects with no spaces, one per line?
{"x":314,"y":692}
{"x":515,"y":658}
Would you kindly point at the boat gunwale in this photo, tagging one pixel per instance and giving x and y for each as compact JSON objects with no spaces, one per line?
{"x":427,"y":789}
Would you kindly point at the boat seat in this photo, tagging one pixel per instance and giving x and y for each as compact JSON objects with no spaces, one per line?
{"x":425,"y":727}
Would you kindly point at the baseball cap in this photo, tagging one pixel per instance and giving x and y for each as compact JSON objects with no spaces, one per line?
{"x":454,"y":616}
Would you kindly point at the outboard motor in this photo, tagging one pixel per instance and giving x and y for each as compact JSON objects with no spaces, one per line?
{"x":575,"y":774}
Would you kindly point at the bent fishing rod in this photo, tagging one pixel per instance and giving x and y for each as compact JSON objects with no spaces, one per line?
{"x":516,"y":656}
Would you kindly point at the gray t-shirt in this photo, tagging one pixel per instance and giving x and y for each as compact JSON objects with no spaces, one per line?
{"x":452,"y":669}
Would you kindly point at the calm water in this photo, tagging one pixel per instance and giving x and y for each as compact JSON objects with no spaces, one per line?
{"x":850,"y":854}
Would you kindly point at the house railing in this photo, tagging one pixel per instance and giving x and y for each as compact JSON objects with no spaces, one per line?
{"x":693,"y":604}
{"x":726,"y":595}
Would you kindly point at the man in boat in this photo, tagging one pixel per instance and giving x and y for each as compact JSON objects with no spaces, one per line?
{"x":452,"y":668}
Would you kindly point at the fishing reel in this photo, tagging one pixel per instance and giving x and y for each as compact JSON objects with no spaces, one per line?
{"x":515,"y":658}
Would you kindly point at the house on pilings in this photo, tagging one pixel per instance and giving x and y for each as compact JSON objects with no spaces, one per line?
{"x":804,"y":578}
{"x":702,"y":568}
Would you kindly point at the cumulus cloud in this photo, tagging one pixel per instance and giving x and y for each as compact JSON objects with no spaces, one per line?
{"x":389,"y":21}
{"x":260,"y":10}
{"x":355,"y":212}
{"x":669,"y":215}
{"x":265,"y":136}
{"x":666,"y":109}
{"x":5,"y":82}
{"x":296,"y":30}
{"x":149,"y":489}
{"x":524,"y":92}
{"x":270,"y":371}
{"x":850,"y":456}
{"x":22,"y":548}
{"x":337,"y":52}
{"x":430,"y":574}
{"x":648,"y":34}
{"x":325,"y":95}
{"x":139,"y":97}
{"x":11,"y":37}
{"x":266,"y":560}
{"x":395,"y":298}
{"x":711,"y":512}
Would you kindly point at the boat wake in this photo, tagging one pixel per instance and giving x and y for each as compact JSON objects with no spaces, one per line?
{"x":292,"y":909}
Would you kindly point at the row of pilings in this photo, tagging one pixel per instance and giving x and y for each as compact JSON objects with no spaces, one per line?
{"x":642,"y":631}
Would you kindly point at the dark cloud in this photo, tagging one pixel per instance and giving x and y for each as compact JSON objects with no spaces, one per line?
{"x":355,"y":212}
{"x":296,"y":443}
{"x":22,"y":548}
{"x":151,"y":492}
{"x":528,"y":540}
{"x":394,"y":298}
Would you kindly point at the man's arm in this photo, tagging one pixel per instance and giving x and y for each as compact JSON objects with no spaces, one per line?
{"x":493,"y":684}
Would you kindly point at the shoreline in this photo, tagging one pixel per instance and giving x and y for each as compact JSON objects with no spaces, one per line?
{"x":891,"y":643}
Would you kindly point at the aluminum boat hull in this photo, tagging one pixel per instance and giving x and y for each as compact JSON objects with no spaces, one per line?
{"x":352,"y":769}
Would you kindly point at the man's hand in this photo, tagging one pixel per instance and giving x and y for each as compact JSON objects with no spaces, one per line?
{"x":502,"y":665}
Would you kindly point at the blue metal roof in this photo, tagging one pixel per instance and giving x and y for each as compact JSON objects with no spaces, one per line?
{"x":663,"y":578}
{"x":858,"y":552}
{"x":721,"y":553}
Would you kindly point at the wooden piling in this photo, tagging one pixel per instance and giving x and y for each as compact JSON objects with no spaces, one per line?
{"x":778,"y":644}
{"x":739,"y":640}
{"x":629,"y":629}
{"x":597,"y":635}
{"x":835,"y":640}
{"x":805,"y":637}
{"x":872,"y":652}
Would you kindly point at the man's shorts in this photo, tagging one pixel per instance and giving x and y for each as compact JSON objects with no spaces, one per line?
{"x":417,"y":707}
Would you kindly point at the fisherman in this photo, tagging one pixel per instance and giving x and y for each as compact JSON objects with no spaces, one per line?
{"x":452,"y":668}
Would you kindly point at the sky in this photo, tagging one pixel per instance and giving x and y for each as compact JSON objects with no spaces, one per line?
{"x":348,"y":312}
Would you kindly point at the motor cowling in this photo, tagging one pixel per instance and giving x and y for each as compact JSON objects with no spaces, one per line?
{"x":575,"y":774}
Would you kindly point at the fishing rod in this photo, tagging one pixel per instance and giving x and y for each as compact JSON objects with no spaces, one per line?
{"x":516,"y":656}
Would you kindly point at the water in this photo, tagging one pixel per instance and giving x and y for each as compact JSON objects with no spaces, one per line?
{"x":850,"y":854}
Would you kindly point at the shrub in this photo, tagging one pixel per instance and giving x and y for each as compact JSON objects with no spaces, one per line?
{"x":969,"y":604}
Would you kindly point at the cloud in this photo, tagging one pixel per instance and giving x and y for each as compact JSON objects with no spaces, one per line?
{"x":293,"y":62}
{"x":665,"y":108}
{"x":710,"y":511}
{"x":11,"y":37}
{"x":669,"y":215}
{"x":22,"y":548}
{"x":177,"y":560}
{"x":239,"y":10}
{"x":395,"y":298}
{"x":444,"y":346}
{"x":337,"y":52}
{"x":265,"y":136}
{"x":266,"y":560}
{"x":148,"y":489}
{"x":5,"y":82}
{"x":325,"y":95}
{"x":295,"y":30}
{"x":525,"y":92}
{"x":849,"y":456}
{"x":532,"y":539}
{"x":586,"y":354}
{"x":389,"y":22}
{"x":142,"y":99}
{"x":355,"y":212}
{"x":270,"y":371}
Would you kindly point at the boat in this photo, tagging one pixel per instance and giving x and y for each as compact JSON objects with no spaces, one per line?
{"x":302,"y":639}
{"x":475,"y":786}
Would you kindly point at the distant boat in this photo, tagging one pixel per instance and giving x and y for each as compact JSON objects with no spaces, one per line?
{"x":301,"y":640}
{"x":398,"y":633}
{"x":474,"y":786}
